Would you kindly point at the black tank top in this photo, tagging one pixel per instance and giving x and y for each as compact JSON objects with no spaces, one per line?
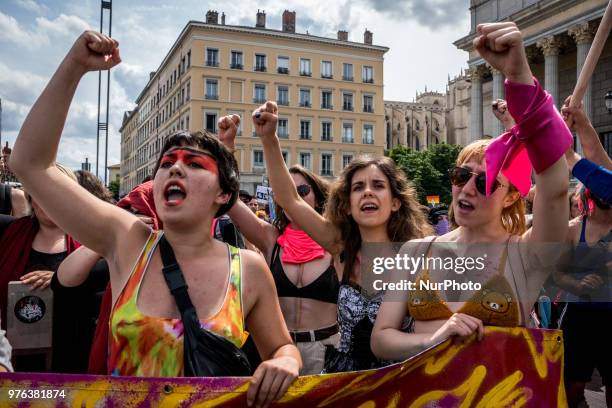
{"x":325,"y":288}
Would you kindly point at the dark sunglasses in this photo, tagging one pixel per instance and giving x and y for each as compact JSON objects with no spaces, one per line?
{"x":459,"y":176}
{"x":303,"y":190}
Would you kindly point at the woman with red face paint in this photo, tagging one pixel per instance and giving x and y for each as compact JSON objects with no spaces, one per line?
{"x":371,"y":202}
{"x":195,"y":180}
{"x":488,"y":180}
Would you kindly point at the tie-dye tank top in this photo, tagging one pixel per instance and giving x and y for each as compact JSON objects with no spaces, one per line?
{"x":148,"y":346}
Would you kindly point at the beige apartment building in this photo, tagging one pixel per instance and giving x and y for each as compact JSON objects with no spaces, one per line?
{"x":329,"y":92}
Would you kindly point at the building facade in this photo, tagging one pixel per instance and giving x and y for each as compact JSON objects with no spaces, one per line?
{"x":329,"y":92}
{"x":557,"y":36}
{"x":417,"y":124}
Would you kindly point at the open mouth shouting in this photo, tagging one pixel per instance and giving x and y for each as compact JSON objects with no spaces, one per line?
{"x":174,"y":193}
{"x":465,"y":206}
{"x":368,"y":208}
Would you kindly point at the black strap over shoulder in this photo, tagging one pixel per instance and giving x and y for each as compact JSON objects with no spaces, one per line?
{"x":206,"y":354}
{"x":174,"y":276}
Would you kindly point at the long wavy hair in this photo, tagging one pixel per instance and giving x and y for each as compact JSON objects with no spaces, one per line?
{"x":513,"y":216}
{"x":408,"y":222}
{"x":320,"y":189}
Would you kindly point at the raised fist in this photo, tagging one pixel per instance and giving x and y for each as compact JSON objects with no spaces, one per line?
{"x":265,"y":119}
{"x":228,"y":128}
{"x":501,"y":45}
{"x":94,"y":51}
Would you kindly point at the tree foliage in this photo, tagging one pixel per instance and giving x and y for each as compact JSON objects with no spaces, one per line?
{"x":428,"y":169}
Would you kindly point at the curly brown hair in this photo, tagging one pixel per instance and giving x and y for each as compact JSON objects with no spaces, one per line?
{"x":93,"y":184}
{"x":319,"y":187}
{"x":409,"y":222}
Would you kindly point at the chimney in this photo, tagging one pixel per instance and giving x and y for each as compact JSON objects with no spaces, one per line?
{"x":342,"y":35}
{"x":212,"y":17}
{"x":289,"y":21}
{"x":261,"y":19}
{"x":151,"y":75}
{"x":222,"y":18}
{"x":367,"y":37}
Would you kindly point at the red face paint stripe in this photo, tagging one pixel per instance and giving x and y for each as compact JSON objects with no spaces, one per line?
{"x":188,"y":156}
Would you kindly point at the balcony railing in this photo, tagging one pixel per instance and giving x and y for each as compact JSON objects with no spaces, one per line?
{"x":260,"y":68}
{"x":327,"y":106}
{"x":347,"y":78}
{"x":348,"y":140}
{"x":327,"y":76}
{"x":347,"y":107}
{"x":305,"y":137}
{"x":282,"y":102}
{"x":368,"y":109}
{"x":213,"y":97}
{"x":259,"y":100}
{"x":236,"y":66}
{"x":305,"y":104}
{"x":305,"y":73}
{"x":368,"y":140}
{"x":212,"y":63}
{"x":327,"y":139}
{"x":282,"y":70}
{"x":283,"y":134}
{"x":327,"y":172}
{"x":368,"y":80}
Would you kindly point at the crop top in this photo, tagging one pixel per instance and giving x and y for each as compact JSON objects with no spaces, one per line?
{"x":495,"y":304}
{"x":325,"y":288}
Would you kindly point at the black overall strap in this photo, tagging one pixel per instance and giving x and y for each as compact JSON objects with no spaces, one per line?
{"x":174,"y":276}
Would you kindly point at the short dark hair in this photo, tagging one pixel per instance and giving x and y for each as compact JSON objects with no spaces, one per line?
{"x":226,"y":162}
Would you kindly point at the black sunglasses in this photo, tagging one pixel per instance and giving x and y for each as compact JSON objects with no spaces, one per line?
{"x":459,"y":176}
{"x":303,"y":190}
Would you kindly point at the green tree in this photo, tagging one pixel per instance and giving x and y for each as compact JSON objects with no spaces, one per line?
{"x":427,"y":169}
{"x":113,"y":186}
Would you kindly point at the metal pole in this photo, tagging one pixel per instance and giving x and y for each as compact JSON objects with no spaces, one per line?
{"x":99,"y":97}
{"x":110,"y":28}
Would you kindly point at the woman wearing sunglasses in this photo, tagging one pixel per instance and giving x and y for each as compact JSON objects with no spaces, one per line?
{"x":306,"y":280}
{"x":487,"y":209}
{"x":370,"y":202}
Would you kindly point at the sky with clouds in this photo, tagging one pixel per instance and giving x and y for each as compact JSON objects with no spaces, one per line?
{"x":36,"y":34}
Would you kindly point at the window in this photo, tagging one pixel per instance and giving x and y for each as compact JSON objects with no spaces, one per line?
{"x":326,"y":100}
{"x":347,"y":72}
{"x":212,"y":57}
{"x":347,"y":133}
{"x":305,"y":129}
{"x":368,"y":102}
{"x":236,"y":60}
{"x":305,"y":69}
{"x":260,"y":62}
{"x":346,"y":159}
{"x":283,"y":128}
{"x":305,"y":98}
{"x":347,"y":101}
{"x":326,"y":164}
{"x":258,"y":158}
{"x":211,"y":122}
{"x":188,"y":93}
{"x":186,"y":124}
{"x":368,"y":134}
{"x":326,"y":69}
{"x":326,"y":131}
{"x":285,"y":156}
{"x":305,"y":160}
{"x":282,"y":65}
{"x":189,"y":59}
{"x":368,"y":74}
{"x":283,"y":95}
{"x":259,"y":93}
{"x":212,"y":89}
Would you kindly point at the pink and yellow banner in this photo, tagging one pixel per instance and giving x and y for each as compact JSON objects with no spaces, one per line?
{"x":510,"y":367}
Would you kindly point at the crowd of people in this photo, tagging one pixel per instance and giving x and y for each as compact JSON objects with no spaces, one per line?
{"x":289,"y":292}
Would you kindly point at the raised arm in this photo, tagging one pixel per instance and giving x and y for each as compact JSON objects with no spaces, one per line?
{"x":578,"y":121}
{"x":540,"y":128}
{"x":316,"y":226}
{"x":96,"y":224}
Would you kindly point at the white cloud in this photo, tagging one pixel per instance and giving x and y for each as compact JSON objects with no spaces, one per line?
{"x":12,"y":32}
{"x":20,"y":85}
{"x":31,"y":5}
{"x":66,"y":26}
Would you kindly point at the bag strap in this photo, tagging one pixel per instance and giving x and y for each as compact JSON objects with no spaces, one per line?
{"x":174,"y":276}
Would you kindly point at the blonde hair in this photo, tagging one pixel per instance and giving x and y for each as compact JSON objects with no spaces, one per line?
{"x":513,"y":216}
